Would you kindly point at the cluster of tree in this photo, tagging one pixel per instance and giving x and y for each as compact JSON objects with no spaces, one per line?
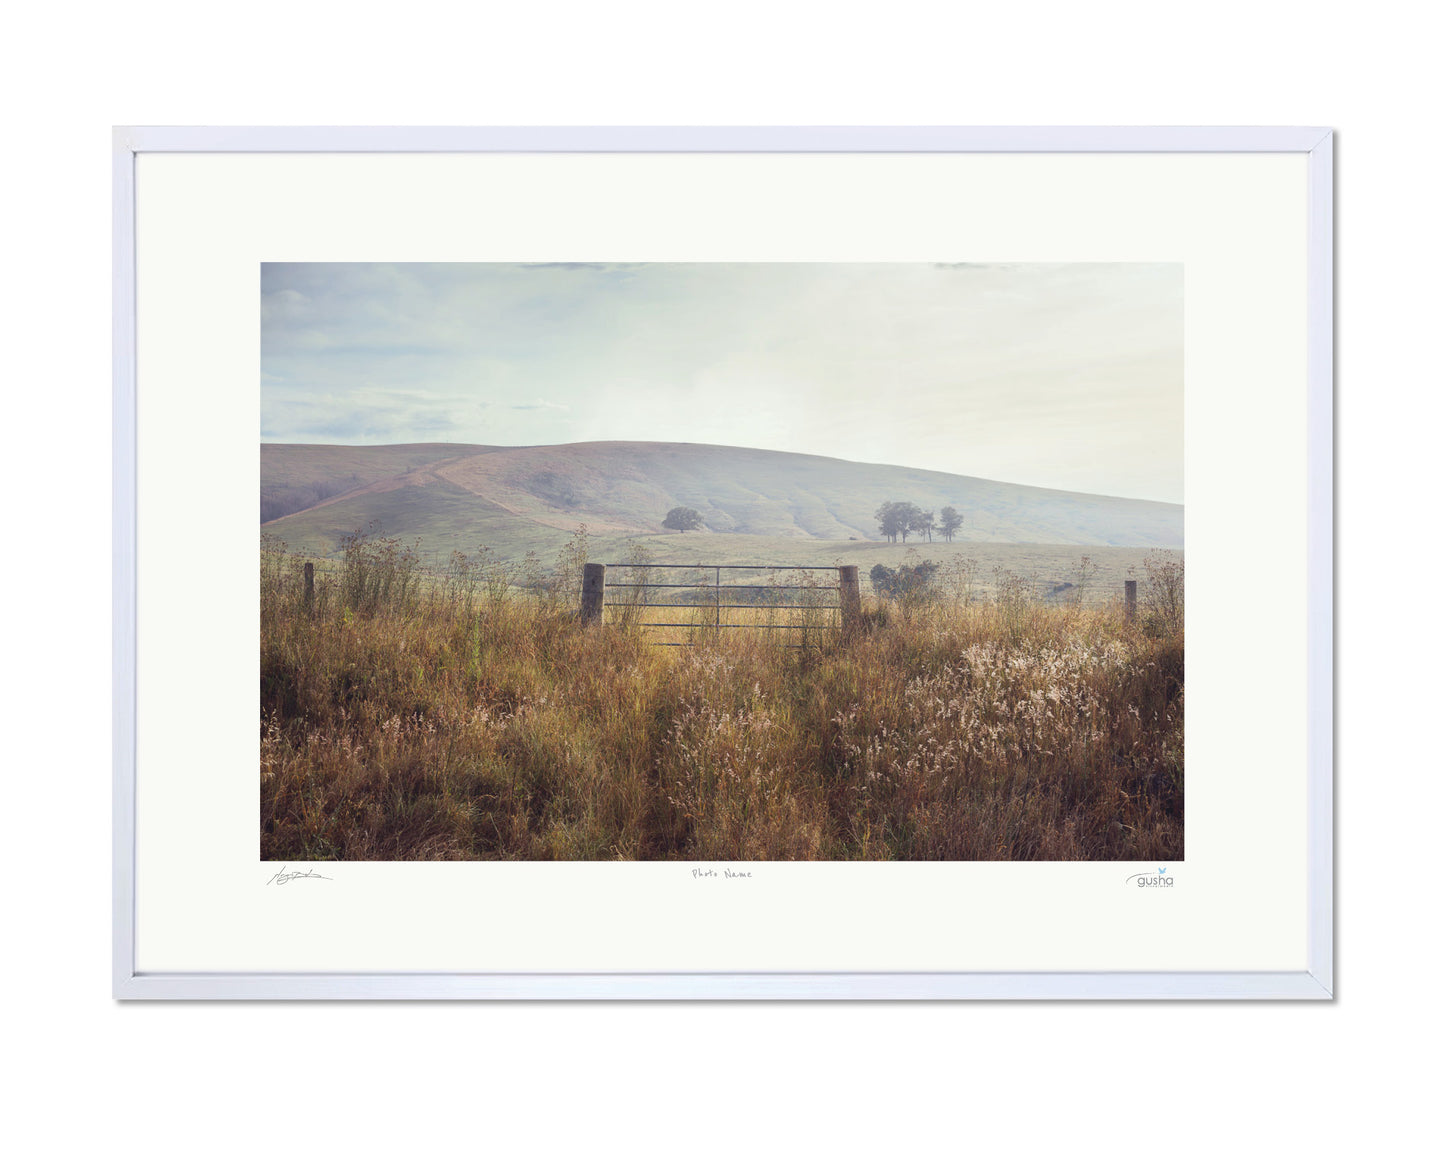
{"x":907,"y":582}
{"x":682,"y":519}
{"x":899,"y":520}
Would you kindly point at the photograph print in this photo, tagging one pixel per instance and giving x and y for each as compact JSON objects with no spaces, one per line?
{"x":723,"y":562}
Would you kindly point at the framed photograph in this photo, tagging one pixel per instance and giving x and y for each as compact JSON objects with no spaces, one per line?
{"x":723,"y":563}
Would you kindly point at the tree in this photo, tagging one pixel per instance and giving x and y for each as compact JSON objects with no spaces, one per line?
{"x":887,"y":516}
{"x":949,"y":521}
{"x":923,"y":524}
{"x":910,"y":518}
{"x":682,"y":519}
{"x":898,"y":519}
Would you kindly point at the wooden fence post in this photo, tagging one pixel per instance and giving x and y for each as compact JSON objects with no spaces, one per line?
{"x":593,"y":581}
{"x":849,"y":599}
{"x":1131,"y":599}
{"x":309,"y":574}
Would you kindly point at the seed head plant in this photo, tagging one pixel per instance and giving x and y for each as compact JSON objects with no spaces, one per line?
{"x":415,"y":713}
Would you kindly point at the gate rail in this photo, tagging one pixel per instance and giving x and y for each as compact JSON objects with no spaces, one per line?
{"x":595,"y":596}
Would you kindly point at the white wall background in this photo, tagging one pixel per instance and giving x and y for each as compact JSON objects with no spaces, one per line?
{"x":372,"y":1083}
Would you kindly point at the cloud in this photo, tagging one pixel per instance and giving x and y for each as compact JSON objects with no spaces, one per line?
{"x":541,"y":404}
{"x":1065,"y":375}
{"x":283,"y":304}
{"x":575,"y":266}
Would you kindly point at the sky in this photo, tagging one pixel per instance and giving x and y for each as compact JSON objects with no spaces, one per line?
{"x":1054,"y":375}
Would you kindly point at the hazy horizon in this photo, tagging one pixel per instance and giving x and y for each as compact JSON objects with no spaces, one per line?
{"x":762,"y":449}
{"x":1066,"y":376}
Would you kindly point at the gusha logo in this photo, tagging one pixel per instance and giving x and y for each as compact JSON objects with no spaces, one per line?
{"x":1151,"y":880}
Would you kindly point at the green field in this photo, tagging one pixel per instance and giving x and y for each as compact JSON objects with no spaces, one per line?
{"x":521,"y":499}
{"x":1049,"y":570}
{"x":521,"y":507}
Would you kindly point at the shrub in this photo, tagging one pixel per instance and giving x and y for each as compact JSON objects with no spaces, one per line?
{"x":908,"y":582}
{"x":1163,"y":594}
{"x":378,"y":572}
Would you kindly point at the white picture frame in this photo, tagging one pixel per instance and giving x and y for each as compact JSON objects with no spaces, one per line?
{"x":1308,"y":978}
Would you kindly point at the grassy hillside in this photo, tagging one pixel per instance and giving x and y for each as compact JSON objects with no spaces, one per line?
{"x":522,"y":499}
{"x":297,"y":476}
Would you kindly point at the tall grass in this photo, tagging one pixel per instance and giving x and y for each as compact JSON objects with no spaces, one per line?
{"x":447,"y":719}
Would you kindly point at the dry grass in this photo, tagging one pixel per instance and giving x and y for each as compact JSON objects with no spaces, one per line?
{"x":407,"y":718}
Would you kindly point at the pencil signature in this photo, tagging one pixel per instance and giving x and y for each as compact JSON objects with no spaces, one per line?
{"x":284,"y":876}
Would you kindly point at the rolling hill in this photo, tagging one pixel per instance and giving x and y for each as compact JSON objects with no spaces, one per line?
{"x":515,"y":499}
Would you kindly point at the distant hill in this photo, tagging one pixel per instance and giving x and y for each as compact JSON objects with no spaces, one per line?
{"x":514,"y":498}
{"x":297,"y":476}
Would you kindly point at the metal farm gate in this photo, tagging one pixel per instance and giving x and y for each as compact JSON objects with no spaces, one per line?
{"x":712,"y":603}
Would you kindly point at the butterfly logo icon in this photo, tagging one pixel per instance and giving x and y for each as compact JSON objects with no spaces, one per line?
{"x":1161,"y":871}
